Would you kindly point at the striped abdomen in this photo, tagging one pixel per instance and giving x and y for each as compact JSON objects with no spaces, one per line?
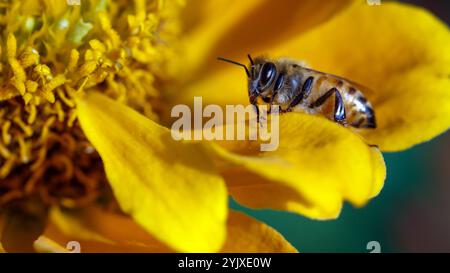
{"x":315,"y":92}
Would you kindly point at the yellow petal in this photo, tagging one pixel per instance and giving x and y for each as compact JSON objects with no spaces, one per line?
{"x":45,"y":245}
{"x":98,"y":230}
{"x":317,"y":166}
{"x":218,"y":17}
{"x":246,"y":234}
{"x":400,"y":52}
{"x":235,"y":28}
{"x":169,"y":187}
{"x":224,"y":87}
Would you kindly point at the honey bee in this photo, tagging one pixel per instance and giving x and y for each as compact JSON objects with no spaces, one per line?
{"x":295,"y":88}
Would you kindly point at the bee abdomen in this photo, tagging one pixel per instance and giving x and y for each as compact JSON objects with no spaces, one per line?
{"x":361,"y":114}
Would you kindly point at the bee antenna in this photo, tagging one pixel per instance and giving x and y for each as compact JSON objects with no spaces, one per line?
{"x":250,"y":58}
{"x":236,"y":63}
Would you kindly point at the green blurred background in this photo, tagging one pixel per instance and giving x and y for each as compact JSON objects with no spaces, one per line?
{"x":411,"y":214}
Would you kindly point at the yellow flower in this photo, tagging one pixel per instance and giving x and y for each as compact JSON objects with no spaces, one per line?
{"x":52,"y":54}
{"x":59,"y":128}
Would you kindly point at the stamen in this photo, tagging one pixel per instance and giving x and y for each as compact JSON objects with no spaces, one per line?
{"x":11,"y":46}
{"x":47,"y":61}
{"x":24,"y":150}
{"x":31,"y":86}
{"x":106,"y":26}
{"x":87,"y":68}
{"x":4,"y":152}
{"x":19,"y":85}
{"x":32,"y":113}
{"x":64,"y":98}
{"x":5,"y":135}
{"x":59,"y":111}
{"x":25,"y":128}
{"x":28,"y":58}
{"x":72,"y":117}
{"x":73,"y":60}
{"x":7,"y":166}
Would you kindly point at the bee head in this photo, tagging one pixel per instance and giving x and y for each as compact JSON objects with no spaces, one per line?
{"x":261,"y":75}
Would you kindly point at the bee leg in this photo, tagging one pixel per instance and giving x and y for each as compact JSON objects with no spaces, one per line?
{"x":272,"y":98}
{"x":304,"y":93}
{"x":257,"y":111}
{"x":339,"y":109}
{"x":258,"y":115}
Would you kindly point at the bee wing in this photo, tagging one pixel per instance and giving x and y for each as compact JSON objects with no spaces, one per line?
{"x":364,"y":89}
{"x":299,"y":63}
{"x":361,"y":87}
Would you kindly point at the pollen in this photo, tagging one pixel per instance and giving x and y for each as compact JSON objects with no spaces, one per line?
{"x":51,"y":52}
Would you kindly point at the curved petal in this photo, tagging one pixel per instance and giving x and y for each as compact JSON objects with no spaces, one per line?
{"x":45,"y":245}
{"x":234,"y":28}
{"x":399,"y":51}
{"x":311,"y":173}
{"x":169,"y":187}
{"x":98,"y":230}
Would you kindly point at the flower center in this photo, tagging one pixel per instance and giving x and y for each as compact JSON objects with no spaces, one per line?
{"x":50,"y":53}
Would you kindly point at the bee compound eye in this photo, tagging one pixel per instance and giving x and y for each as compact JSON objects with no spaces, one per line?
{"x":267,"y":74}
